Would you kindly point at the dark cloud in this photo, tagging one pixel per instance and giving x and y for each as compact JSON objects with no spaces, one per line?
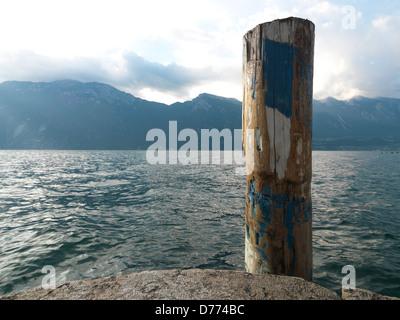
{"x":171,"y":78}
{"x":136,"y":72}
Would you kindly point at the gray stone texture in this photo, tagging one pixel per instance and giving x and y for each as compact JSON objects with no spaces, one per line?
{"x":193,"y":284}
{"x":361,"y":294}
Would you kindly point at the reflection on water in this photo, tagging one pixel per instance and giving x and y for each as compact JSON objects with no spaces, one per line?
{"x":356,"y":219}
{"x":99,"y":213}
{"x":92,"y":214}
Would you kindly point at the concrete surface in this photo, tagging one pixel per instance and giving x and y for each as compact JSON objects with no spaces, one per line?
{"x":361,"y":294}
{"x":193,"y":284}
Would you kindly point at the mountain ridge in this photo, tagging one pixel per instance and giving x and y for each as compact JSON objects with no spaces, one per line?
{"x":69,"y":114}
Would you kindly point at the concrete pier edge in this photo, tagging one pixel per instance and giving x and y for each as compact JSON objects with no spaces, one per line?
{"x":192,"y":284}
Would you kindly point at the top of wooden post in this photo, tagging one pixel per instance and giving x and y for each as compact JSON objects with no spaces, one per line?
{"x":295,"y":31}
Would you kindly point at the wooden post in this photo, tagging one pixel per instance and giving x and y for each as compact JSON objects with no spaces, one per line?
{"x":277,"y":114}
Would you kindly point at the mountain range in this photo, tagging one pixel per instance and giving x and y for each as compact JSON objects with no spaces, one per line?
{"x":71,"y":115}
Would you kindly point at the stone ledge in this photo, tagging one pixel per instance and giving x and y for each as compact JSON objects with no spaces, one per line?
{"x":176,"y":284}
{"x":362,"y":294}
{"x":192,"y":284}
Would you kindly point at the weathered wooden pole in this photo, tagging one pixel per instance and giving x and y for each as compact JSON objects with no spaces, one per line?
{"x":278,"y":61}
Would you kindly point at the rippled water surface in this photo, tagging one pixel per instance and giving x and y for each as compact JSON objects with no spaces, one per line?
{"x":99,"y":213}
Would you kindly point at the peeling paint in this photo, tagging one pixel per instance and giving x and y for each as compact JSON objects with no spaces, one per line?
{"x":279,"y":134}
{"x":262,"y":200}
{"x":256,"y":260}
{"x":278,"y":107}
{"x":294,"y":212}
{"x":281,"y":143}
{"x":271,"y":133}
{"x":250,"y":117}
{"x":299,"y":147}
{"x":258,"y":139}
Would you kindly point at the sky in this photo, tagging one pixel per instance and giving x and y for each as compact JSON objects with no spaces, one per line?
{"x":173,"y":50}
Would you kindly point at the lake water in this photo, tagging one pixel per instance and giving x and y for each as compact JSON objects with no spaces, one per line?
{"x":91,"y":214}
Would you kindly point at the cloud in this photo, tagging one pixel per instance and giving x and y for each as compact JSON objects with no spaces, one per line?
{"x":29,"y":66}
{"x":381,"y":22}
{"x":128,"y":70}
{"x":174,"y":50}
{"x":356,"y":50}
{"x":141,"y":73}
{"x":369,"y":54}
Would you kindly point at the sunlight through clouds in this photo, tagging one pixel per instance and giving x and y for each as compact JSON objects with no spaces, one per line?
{"x":172,"y":50}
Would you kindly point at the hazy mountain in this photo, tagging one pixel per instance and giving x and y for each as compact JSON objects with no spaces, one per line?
{"x":73,"y":115}
{"x":358,"y":123}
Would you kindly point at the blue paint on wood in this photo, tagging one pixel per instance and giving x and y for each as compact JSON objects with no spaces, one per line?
{"x":262,"y":253}
{"x":278,"y":75}
{"x":262,"y":228}
{"x":251,"y":196}
{"x":257,"y":238}
{"x":262,"y":200}
{"x":289,"y":214}
{"x":295,"y":211}
{"x":253,"y":86}
{"x":278,"y":64}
